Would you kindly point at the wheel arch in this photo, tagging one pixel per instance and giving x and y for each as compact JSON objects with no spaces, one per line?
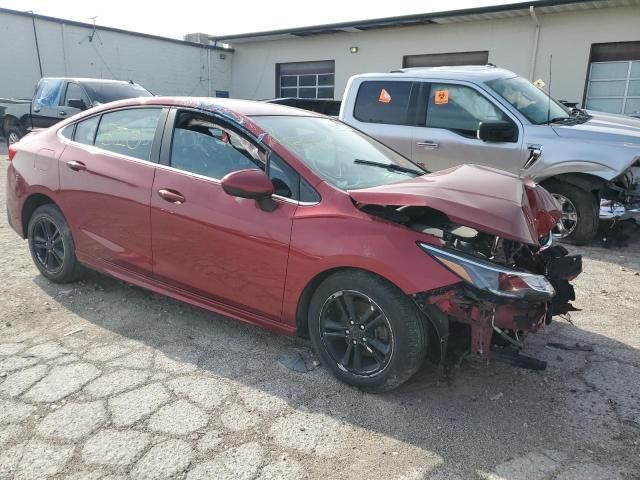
{"x":585,"y":181}
{"x":30,"y":205}
{"x":9,"y":121}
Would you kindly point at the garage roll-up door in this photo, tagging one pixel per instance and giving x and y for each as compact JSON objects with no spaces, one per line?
{"x":305,"y":79}
{"x":446,"y":59}
{"x":613,"y":84}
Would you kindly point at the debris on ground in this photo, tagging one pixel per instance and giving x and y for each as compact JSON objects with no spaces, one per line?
{"x":301,"y":362}
{"x":578,"y":347}
{"x":497,"y":396}
{"x":72,"y":332}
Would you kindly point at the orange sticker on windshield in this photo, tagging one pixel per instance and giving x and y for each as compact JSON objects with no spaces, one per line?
{"x":384,"y":96}
{"x":441,"y":97}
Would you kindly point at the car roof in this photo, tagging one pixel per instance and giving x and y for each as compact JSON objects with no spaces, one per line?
{"x":473,"y":73}
{"x":249,"y":108}
{"x":92,"y":80}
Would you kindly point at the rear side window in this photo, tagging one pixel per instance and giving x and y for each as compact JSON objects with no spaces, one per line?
{"x":48,"y":93}
{"x":67,"y":132}
{"x":128,"y":132}
{"x":86,"y":130}
{"x":384,"y":102}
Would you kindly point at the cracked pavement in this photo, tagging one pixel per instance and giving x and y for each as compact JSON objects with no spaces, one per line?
{"x":102,"y":380}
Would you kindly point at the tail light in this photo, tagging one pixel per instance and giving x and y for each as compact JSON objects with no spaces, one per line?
{"x":12,"y":152}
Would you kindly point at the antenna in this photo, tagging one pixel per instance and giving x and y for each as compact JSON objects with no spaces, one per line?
{"x":549,"y":99}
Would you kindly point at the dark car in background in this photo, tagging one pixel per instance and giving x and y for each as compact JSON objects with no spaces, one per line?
{"x":58,"y":98}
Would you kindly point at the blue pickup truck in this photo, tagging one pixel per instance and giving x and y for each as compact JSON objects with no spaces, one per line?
{"x":58,"y":98}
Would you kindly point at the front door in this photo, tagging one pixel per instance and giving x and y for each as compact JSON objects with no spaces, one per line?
{"x":447,"y":136}
{"x":205,"y":241}
{"x":106,"y":174}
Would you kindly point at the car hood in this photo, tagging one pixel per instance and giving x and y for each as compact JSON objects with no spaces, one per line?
{"x":483,"y":198}
{"x":603,"y":128}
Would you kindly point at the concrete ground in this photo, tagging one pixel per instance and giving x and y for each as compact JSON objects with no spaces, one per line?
{"x":104,"y":380}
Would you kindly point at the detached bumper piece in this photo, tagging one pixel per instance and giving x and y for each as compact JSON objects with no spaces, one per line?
{"x":497,"y":325}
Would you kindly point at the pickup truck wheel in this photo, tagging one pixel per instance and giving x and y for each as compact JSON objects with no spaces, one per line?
{"x":52,"y":247}
{"x":580,"y":213}
{"x":13,"y":135}
{"x":366,"y":330}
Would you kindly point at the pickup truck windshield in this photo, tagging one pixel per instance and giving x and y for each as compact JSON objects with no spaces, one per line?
{"x":104,"y":92}
{"x":529,"y":100}
{"x":338,"y":153}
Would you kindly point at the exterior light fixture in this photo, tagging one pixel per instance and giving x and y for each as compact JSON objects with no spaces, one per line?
{"x":353,"y":49}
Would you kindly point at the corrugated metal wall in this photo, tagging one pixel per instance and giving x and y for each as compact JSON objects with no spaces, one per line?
{"x":66,"y":50}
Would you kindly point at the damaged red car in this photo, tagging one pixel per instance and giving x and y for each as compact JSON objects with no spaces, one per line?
{"x":296,"y":222}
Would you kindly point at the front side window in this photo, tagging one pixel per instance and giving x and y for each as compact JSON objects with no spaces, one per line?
{"x":48,"y":93}
{"x":86,"y":130}
{"x":128,"y":132}
{"x":460,"y":108}
{"x":529,"y":100}
{"x":337,"y":153}
{"x":76,"y":92}
{"x":384,"y":102}
{"x":202,"y":146}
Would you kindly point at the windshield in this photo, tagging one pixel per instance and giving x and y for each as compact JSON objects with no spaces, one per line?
{"x":105,"y":92}
{"x":529,"y":100}
{"x":338,"y":153}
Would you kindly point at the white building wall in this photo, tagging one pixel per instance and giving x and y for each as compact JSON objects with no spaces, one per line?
{"x":568,"y":36}
{"x":164,"y":67}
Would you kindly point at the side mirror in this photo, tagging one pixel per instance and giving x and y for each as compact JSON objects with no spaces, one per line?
{"x":497,"y":132}
{"x":77,"y":103}
{"x":252,"y":183}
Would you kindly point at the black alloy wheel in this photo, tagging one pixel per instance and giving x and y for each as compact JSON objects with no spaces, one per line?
{"x":48,"y":246}
{"x":356,"y":333}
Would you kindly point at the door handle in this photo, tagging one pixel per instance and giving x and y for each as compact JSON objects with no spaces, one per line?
{"x":171,"y":196}
{"x":428,"y":145}
{"x":62,"y":113}
{"x":77,"y":166}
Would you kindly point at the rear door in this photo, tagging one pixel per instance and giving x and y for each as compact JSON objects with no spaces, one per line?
{"x":385,"y":110}
{"x":45,"y":107}
{"x":446,"y":134}
{"x":106,"y":174}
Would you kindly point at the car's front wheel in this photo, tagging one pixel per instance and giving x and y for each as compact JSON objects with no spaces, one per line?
{"x":366,"y":330}
{"x":51,"y":245}
{"x":580,"y":212}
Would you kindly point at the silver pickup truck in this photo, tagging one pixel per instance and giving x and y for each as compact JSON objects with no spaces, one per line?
{"x":446,"y":116}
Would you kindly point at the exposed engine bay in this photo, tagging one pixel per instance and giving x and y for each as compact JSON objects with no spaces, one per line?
{"x":621,"y":196}
{"x":500,"y":310}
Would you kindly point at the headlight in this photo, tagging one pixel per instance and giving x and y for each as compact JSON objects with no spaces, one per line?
{"x":493,"y":278}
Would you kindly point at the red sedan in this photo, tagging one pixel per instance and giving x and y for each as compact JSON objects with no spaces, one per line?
{"x":296,"y":222}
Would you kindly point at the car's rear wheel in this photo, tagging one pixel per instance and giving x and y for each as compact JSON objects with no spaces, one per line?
{"x":13,"y":135}
{"x":367,"y":331}
{"x":580,"y":212}
{"x":51,"y":245}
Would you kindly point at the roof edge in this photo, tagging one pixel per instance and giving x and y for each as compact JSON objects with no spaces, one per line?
{"x":75,"y":23}
{"x":388,"y":21}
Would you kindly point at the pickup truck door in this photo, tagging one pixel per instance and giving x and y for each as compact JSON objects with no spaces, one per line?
{"x":447,"y":134}
{"x":73,"y":91}
{"x":45,"y":106}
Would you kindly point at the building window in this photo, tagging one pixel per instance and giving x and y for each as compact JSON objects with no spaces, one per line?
{"x":613,"y":84}
{"x":305,"y":79}
{"x":446,"y":59}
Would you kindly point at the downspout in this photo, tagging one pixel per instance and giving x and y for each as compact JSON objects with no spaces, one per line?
{"x":536,"y":36}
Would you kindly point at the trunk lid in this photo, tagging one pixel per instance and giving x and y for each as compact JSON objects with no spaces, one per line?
{"x":483,"y":198}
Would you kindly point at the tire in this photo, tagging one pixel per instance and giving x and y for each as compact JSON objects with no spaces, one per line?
{"x":585,"y":207}
{"x":52,"y":247}
{"x":12,"y":135}
{"x":380,"y":311}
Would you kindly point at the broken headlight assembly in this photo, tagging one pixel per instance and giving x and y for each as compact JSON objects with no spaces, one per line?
{"x":492,"y":278}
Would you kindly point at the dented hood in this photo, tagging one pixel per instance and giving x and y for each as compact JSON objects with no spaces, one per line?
{"x":483,"y":198}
